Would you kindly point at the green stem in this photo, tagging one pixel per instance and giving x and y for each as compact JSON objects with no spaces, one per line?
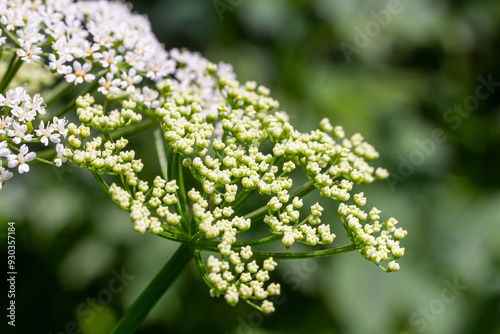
{"x":106,"y":136}
{"x":160,"y":150}
{"x":14,"y":66}
{"x":62,"y":89}
{"x":46,"y":154}
{"x":240,"y":200}
{"x":249,"y":302}
{"x":132,"y":130}
{"x":305,"y":189}
{"x":44,"y":161}
{"x":261,"y":241}
{"x":201,"y":267}
{"x":175,"y":172}
{"x":257,"y":214}
{"x":170,"y":162}
{"x":172,"y":236}
{"x":101,"y":182}
{"x":136,"y":314}
{"x":197,"y":236}
{"x":284,"y":255}
{"x":9,"y":67}
{"x":10,"y":35}
{"x":66,"y":108}
{"x":313,"y":254}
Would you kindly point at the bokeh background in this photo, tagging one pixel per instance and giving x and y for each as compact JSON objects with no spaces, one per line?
{"x":403,"y":73}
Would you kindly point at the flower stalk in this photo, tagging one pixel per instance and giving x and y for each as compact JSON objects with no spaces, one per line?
{"x":141,"y":307}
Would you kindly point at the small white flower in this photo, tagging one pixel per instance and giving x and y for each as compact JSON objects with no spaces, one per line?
{"x":24,"y":113}
{"x":29,"y":53}
{"x":109,"y":84}
{"x":80,"y":73}
{"x":4,"y":175}
{"x":60,"y":157}
{"x":11,"y":99}
{"x":59,"y":64}
{"x":4,"y":150}
{"x":149,"y":97}
{"x":129,"y":80}
{"x":19,"y":133}
{"x":37,"y":104}
{"x":21,"y":159}
{"x":393,"y":266}
{"x":12,"y":20}
{"x":59,"y":124}
{"x":47,"y":133}
{"x":5,"y":122}
{"x":269,"y":264}
{"x":2,"y":41}
{"x":110,"y":59}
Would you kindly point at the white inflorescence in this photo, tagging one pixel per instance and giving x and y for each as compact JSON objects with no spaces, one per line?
{"x":228,"y":136}
{"x":20,"y":113}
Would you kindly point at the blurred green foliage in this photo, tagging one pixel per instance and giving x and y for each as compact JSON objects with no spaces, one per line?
{"x":407,"y":65}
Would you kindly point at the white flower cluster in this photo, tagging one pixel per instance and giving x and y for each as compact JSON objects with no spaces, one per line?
{"x":16,"y":130}
{"x":105,"y":43}
{"x":229,"y":136}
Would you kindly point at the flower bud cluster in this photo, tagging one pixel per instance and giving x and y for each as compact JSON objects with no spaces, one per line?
{"x":17,"y":129}
{"x":149,"y":206}
{"x":87,"y":152}
{"x":242,"y":278}
{"x":93,"y":115}
{"x":376,"y":241}
{"x":185,"y":128}
{"x":286,"y":223}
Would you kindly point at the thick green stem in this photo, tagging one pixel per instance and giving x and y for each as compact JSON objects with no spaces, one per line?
{"x":136,"y":314}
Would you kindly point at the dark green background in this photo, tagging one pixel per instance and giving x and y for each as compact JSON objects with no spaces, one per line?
{"x":398,"y":89}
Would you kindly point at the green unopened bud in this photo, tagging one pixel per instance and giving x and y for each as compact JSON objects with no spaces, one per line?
{"x":73,"y":129}
{"x":74,"y":142}
{"x":136,"y":118}
{"x":84,"y":130}
{"x":121,"y":143}
{"x":211,"y":68}
{"x":129,"y":104}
